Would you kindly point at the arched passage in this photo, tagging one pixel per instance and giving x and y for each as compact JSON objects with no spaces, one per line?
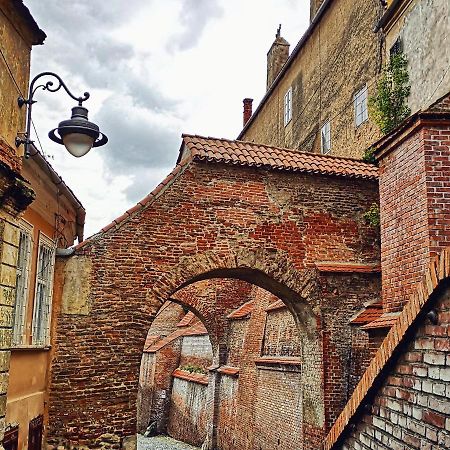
{"x":198,"y":224}
{"x":257,"y":345}
{"x":173,"y":382}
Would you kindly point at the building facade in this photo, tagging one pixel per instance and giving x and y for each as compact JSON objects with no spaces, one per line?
{"x":318,"y":100}
{"x":30,"y":238}
{"x":51,"y":223}
{"x":286,"y":209}
{"x":18,"y":33}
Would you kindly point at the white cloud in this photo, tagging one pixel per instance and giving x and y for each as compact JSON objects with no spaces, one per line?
{"x":154,"y":70}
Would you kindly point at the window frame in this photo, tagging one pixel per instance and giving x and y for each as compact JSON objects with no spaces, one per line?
{"x":19,"y":328}
{"x":360,"y":106}
{"x":287,"y":106}
{"x":40,"y":329}
{"x":327,"y":127}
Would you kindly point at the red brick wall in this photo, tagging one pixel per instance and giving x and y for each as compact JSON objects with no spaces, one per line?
{"x":280,"y":335}
{"x":410,"y":408}
{"x":272,"y":226}
{"x":342,"y":294}
{"x":415,"y":209}
{"x":278,"y":410}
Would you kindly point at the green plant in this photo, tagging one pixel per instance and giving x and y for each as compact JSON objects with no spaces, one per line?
{"x":193,"y":369}
{"x":388,"y":106}
{"x":369,"y":156}
{"x":372,"y":215}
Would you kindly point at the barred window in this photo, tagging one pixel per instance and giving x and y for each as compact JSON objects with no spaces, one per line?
{"x":360,"y":100}
{"x":43,"y":294}
{"x":325,"y":138}
{"x":22,"y":282}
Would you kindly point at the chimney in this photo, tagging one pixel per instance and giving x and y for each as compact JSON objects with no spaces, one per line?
{"x":276,"y":57}
{"x":247,"y":109}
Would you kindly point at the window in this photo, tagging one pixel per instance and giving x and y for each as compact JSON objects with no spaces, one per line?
{"x":35,"y":432}
{"x":11,"y":438}
{"x":325,"y":138}
{"x":43,"y":294}
{"x":22,"y":281}
{"x":396,"y":48}
{"x":360,"y":100}
{"x":288,"y":106}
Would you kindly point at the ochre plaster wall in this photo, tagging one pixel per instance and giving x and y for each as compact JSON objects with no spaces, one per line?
{"x":16,"y":48}
{"x":341,"y":56}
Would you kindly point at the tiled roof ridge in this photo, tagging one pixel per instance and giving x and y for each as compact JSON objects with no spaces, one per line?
{"x":347,"y":267}
{"x":197,"y":329}
{"x":250,"y":154}
{"x":274,"y":147}
{"x":278,"y":304}
{"x":191,"y":376}
{"x":165,"y":341}
{"x":145,"y":202}
{"x":438,"y":270}
{"x":163,"y":308}
{"x":243,"y":310}
{"x":186,"y":319}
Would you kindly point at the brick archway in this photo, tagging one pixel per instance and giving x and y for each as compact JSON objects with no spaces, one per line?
{"x":269,"y":269}
{"x":269,"y":228}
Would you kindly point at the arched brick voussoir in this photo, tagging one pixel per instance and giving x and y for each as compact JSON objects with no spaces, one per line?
{"x":269,"y":269}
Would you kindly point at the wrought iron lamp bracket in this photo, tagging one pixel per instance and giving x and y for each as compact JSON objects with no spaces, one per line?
{"x":48,"y":86}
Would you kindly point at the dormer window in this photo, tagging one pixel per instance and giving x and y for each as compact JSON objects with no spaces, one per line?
{"x":288,"y":106}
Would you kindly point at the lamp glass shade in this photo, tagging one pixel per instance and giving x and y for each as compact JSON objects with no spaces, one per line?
{"x":78,"y":144}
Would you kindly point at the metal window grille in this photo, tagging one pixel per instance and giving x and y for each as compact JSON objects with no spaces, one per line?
{"x":288,"y":106}
{"x":43,"y":294}
{"x":361,"y":111}
{"x":325,"y":137}
{"x":22,"y":280}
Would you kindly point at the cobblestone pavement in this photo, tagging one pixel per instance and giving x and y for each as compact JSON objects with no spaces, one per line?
{"x":161,"y":443}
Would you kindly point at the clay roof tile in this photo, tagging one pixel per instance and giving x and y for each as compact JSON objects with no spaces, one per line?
{"x":251,"y":154}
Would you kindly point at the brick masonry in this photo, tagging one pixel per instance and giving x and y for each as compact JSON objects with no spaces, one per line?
{"x":410,"y":408}
{"x":414,"y":201}
{"x":200,"y":224}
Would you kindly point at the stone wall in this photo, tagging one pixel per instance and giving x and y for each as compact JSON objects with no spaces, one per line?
{"x":409,"y":408}
{"x":338,"y":56}
{"x":196,"y":351}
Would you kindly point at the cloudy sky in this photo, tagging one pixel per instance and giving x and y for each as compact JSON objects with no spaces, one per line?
{"x":154,"y":69}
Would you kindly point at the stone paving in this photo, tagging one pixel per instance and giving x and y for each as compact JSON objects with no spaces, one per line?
{"x":161,"y":443}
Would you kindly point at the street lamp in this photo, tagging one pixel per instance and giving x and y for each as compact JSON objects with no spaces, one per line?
{"x":77,"y":134}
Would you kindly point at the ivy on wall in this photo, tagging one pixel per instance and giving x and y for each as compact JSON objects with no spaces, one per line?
{"x":388,"y":106}
{"x":372,"y":215}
